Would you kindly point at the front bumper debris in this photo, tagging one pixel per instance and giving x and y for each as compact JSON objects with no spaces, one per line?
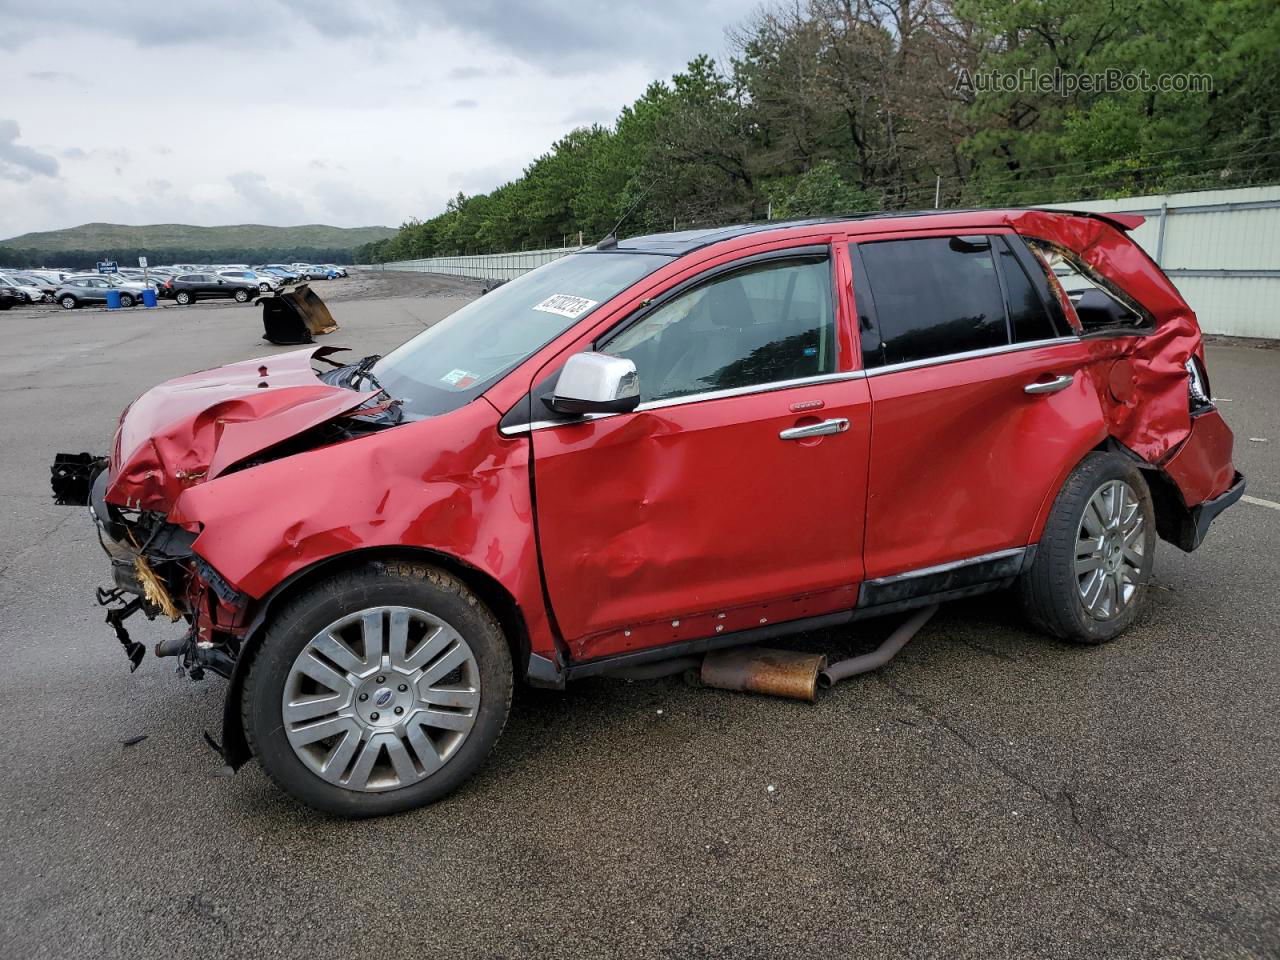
{"x":151,"y":560}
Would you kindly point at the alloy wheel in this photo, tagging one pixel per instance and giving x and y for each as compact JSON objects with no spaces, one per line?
{"x":1110,"y":550}
{"x":381,"y":698}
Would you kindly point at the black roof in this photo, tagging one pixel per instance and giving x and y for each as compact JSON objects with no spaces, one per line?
{"x":678,"y":243}
{"x":686,"y":241}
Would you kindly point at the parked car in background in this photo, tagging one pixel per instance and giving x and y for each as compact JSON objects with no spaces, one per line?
{"x":46,"y":288}
{"x":51,"y":277}
{"x":265,"y":282}
{"x":9,"y":296}
{"x":190,"y":287}
{"x":340,"y":271}
{"x":82,"y":289}
{"x":287,"y":274}
{"x":28,"y":289}
{"x":317,"y":272}
{"x":925,"y":412}
{"x":129,"y":285}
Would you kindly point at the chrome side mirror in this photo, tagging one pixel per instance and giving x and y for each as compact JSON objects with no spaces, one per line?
{"x":596,"y":383}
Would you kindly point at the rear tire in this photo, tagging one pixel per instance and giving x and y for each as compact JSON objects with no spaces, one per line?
{"x":126,"y":300}
{"x":183,"y":297}
{"x":1088,"y":582}
{"x":377,"y":763}
{"x":241,"y":296}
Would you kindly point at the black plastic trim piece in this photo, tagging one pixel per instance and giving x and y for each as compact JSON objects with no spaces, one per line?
{"x":944,"y":578}
{"x":592,"y":668}
{"x":1201,"y":516}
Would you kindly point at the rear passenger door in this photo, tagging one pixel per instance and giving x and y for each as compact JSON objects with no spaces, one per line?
{"x":981,"y":401}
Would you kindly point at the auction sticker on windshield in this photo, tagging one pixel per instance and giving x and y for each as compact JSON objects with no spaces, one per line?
{"x":459,"y":378}
{"x":566,"y":306}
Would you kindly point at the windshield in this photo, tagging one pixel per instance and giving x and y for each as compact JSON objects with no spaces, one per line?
{"x":451,"y":363}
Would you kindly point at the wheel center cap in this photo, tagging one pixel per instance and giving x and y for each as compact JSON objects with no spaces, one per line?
{"x":383,"y":696}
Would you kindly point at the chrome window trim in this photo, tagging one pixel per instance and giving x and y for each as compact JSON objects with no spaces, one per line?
{"x":520,"y":428}
{"x":969,"y":355}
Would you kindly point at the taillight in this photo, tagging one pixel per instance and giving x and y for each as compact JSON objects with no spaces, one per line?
{"x":1198,"y":391}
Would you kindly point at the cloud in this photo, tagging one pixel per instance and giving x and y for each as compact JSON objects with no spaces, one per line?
{"x":466,"y":104}
{"x":22,"y":163}
{"x":267,"y":204}
{"x":565,"y":36}
{"x":53,"y":76}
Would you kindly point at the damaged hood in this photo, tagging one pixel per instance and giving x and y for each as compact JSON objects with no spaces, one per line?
{"x":196,"y":427}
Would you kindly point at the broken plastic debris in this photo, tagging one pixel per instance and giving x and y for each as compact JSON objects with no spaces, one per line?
{"x":771,"y":788}
{"x":1257,"y":439}
{"x":133,"y":741}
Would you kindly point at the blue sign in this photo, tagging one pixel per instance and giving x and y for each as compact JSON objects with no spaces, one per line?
{"x":108,"y":266}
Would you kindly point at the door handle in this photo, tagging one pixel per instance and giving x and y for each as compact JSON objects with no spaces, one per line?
{"x":839,"y":425}
{"x":1049,"y":386}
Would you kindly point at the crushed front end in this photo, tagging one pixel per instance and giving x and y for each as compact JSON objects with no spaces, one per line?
{"x":155,"y":572}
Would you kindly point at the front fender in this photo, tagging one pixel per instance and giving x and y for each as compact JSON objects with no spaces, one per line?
{"x":451,"y":484}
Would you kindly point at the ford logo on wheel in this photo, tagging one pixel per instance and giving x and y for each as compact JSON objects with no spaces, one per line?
{"x":382,"y":697}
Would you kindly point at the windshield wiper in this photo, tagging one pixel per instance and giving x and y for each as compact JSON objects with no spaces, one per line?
{"x":363,"y":372}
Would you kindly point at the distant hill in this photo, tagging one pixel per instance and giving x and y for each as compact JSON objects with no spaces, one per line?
{"x":241,"y":236}
{"x":180,"y":242}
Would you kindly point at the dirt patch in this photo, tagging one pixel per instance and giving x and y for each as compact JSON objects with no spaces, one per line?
{"x":385,"y":284}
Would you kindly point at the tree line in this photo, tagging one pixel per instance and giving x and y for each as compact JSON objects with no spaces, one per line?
{"x":841,"y":106}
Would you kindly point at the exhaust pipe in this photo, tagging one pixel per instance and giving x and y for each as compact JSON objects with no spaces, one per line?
{"x":779,"y":673}
{"x":880,"y":655}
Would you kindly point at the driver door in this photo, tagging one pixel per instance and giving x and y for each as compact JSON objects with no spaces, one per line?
{"x":733,"y":497}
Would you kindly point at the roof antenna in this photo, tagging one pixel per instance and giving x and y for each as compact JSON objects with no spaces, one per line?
{"x":611,"y":238}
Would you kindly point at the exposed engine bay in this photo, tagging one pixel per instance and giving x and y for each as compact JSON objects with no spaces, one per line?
{"x":154,"y":569}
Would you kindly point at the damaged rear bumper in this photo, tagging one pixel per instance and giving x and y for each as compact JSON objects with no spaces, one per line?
{"x":1199,"y":517}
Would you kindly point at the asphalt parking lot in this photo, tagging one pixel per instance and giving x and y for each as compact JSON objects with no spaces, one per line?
{"x":991,"y":793}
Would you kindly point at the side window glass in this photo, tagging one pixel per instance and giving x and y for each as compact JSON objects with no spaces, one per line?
{"x":935,"y":296}
{"x":1027,"y":317}
{"x":1097,"y":307}
{"x":759,"y":325}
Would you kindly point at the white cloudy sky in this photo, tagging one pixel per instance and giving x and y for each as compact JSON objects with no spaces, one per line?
{"x":310,"y":111}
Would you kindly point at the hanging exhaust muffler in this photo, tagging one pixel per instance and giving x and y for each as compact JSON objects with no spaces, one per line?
{"x":779,"y":673}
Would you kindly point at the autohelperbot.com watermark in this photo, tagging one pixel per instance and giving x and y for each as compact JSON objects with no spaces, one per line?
{"x":1066,"y":83}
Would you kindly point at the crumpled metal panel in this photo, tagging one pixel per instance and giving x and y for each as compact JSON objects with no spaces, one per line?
{"x":1157,"y":360}
{"x":191,"y":429}
{"x":451,"y":484}
{"x":1202,"y":466}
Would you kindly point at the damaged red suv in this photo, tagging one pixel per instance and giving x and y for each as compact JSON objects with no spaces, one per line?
{"x":648,"y":450}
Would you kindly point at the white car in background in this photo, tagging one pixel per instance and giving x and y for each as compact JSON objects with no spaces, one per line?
{"x":30,"y":292}
{"x":265,"y":281}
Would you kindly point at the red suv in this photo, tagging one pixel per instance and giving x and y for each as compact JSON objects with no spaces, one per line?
{"x":650,"y":449}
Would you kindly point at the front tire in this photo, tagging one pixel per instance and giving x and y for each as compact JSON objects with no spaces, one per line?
{"x":1088,"y":582}
{"x":68,"y":303}
{"x":378,"y":690}
{"x":126,"y":300}
{"x":242,"y":296}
